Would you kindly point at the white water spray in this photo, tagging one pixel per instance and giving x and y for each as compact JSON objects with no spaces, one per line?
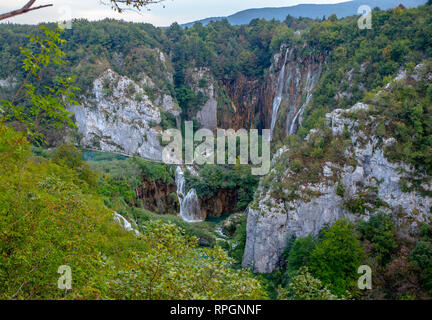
{"x":190,"y":209}
{"x":278,"y":97}
{"x":311,"y":81}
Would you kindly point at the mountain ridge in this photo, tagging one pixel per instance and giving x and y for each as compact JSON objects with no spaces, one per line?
{"x":342,"y":9}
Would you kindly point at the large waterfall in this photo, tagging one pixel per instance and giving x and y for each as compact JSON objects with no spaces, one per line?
{"x":311,"y":81}
{"x":278,"y":97}
{"x":295,"y":84}
{"x":190,"y":209}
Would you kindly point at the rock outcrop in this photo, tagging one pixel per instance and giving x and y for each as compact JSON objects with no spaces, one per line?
{"x":203,"y":83}
{"x":119,"y":118}
{"x":224,"y":202}
{"x":278,"y":100}
{"x":293,"y":87}
{"x":158,"y":196}
{"x":374,"y":180}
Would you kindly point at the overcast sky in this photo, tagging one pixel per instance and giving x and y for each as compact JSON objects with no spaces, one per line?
{"x":163,"y":14}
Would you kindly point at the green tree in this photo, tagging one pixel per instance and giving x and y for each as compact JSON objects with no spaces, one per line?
{"x":33,"y":101}
{"x":67,"y":155}
{"x":336,"y":258}
{"x":379,"y":230}
{"x":300,"y":253}
{"x":305,"y":287}
{"x":421,"y":255}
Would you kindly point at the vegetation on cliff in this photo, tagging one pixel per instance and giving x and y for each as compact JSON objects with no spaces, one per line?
{"x":52,"y":215}
{"x":56,"y":210}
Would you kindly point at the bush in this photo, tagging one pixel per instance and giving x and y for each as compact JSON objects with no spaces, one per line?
{"x":300,"y":253}
{"x":380,"y":231}
{"x":305,"y":287}
{"x":48,"y":220}
{"x":69,"y":156}
{"x":336,"y":258}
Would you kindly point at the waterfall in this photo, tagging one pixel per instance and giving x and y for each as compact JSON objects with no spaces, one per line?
{"x":278,"y":97}
{"x":190,"y":209}
{"x":124,"y":223}
{"x":181,"y":183}
{"x":292,"y":129}
{"x":311,"y":81}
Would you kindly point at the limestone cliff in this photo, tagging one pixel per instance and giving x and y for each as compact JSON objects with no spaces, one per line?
{"x":203,"y":83}
{"x":293,"y":77}
{"x":278,"y":100}
{"x":360,"y":183}
{"x":120,"y":117}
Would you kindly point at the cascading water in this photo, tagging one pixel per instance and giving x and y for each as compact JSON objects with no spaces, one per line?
{"x":190,"y":209}
{"x":311,"y":81}
{"x":278,"y":97}
{"x":124,"y":223}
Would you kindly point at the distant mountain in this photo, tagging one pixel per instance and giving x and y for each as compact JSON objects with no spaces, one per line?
{"x":343,"y":9}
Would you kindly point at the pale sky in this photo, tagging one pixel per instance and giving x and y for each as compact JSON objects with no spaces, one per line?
{"x":180,"y":11}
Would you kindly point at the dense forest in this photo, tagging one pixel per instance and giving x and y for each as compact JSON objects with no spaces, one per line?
{"x":57,"y":209}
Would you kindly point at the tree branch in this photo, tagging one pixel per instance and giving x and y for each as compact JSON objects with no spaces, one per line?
{"x":26,"y":8}
{"x":137,"y":4}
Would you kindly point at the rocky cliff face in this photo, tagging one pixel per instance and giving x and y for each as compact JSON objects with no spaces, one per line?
{"x":241,"y":104}
{"x":277,"y":102}
{"x":371,"y":180}
{"x":157,"y":196}
{"x":119,"y":118}
{"x":292,"y":78}
{"x":122,"y":115}
{"x":224,"y":202}
{"x":202,"y":82}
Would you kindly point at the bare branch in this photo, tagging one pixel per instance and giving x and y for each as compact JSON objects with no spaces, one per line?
{"x":137,"y":4}
{"x":27,"y":8}
{"x":118,"y":5}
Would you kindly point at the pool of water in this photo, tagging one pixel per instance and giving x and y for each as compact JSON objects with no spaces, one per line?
{"x":92,"y":155}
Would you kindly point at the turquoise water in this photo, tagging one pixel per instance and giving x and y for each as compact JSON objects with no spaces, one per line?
{"x":91,"y":155}
{"x":216,"y":220}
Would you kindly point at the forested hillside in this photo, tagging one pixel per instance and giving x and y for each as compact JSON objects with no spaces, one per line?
{"x":350,"y":184}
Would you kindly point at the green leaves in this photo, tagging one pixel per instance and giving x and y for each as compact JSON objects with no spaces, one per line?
{"x":380,"y":231}
{"x":50,"y":215}
{"x":32,"y":102}
{"x":305,"y":287}
{"x":336,"y":258}
{"x":44,"y":51}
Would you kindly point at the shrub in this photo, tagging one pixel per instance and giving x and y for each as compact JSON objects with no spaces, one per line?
{"x":305,"y":287}
{"x":336,"y":258}
{"x":380,"y":231}
{"x":300,"y":253}
{"x":48,"y":220}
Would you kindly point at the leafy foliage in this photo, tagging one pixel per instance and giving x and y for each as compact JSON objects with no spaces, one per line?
{"x":407,"y":113}
{"x":336,"y":258}
{"x":305,"y":287}
{"x":300,"y":253}
{"x":380,"y":231}
{"x":40,"y":100}
{"x":48,"y":219}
